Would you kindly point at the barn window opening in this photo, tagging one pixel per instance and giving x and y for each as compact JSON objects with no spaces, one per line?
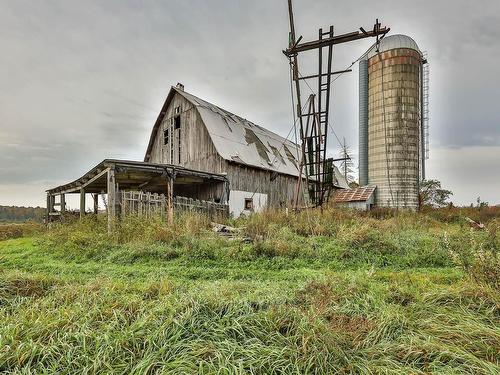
{"x":166,"y":136}
{"x":177,"y":109}
{"x":249,"y":204}
{"x":176,"y":132}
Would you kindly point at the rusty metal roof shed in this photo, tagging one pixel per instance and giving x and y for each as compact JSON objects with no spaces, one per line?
{"x":360,"y":194}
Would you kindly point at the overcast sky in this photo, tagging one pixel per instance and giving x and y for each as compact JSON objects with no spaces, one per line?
{"x":81,"y":81}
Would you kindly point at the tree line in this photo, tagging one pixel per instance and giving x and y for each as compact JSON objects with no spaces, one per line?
{"x":20,"y":214}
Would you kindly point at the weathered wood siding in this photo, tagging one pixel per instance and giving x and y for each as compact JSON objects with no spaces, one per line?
{"x":198,"y":152}
{"x":280,"y":191}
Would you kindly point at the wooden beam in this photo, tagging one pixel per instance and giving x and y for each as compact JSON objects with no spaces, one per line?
{"x":96,"y":203}
{"x":97,"y":176}
{"x":111,"y":199}
{"x":170,"y":200}
{"x":74,"y":187}
{"x":82,"y":203}
{"x":47,"y":211}
{"x":326,"y":74}
{"x":337,"y":39}
{"x":63,"y":203}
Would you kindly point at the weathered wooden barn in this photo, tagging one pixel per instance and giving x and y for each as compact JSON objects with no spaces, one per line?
{"x":261,"y":166}
{"x":199,"y":156}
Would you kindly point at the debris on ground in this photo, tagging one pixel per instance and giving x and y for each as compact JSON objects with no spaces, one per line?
{"x":229,"y":232}
{"x":474,"y":224}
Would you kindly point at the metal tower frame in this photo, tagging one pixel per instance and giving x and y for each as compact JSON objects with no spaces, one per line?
{"x":317,"y":167}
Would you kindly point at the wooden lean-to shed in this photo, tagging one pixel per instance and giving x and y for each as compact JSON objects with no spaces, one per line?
{"x":261,"y":166}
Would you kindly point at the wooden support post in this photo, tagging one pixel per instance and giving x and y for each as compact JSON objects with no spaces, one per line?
{"x":96,"y":203}
{"x":111,"y":199}
{"x":63,"y":203}
{"x":82,"y":203}
{"x":49,"y":208}
{"x":170,"y":200}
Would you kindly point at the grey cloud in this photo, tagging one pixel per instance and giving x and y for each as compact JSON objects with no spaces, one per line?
{"x":80,"y":81}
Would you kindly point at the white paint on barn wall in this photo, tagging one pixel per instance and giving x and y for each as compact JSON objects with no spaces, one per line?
{"x":237,"y":202}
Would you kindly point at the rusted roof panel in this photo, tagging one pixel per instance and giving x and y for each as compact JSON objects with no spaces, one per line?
{"x":359,"y":194}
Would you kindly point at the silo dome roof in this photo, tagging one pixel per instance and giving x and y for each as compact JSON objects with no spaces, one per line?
{"x":392,"y":42}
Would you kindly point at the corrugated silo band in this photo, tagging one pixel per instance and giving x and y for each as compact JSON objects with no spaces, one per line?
{"x":363,"y":122}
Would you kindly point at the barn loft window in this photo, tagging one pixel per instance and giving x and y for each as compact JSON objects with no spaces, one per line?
{"x":177,"y":110}
{"x":249,"y":204}
{"x":166,"y":136}
{"x":176,"y":137}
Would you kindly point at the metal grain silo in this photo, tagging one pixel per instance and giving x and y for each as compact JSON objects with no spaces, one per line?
{"x":390,"y":121}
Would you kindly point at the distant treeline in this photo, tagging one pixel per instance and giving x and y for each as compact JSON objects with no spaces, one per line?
{"x":18,"y":214}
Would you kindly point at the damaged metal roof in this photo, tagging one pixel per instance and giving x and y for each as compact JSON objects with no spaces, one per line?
{"x":237,"y":139}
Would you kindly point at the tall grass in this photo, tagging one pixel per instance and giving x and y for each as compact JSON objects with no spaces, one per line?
{"x":16,"y":230}
{"x":347,"y":323}
{"x":313,"y":293}
{"x":478,"y":254}
{"x":336,"y":238}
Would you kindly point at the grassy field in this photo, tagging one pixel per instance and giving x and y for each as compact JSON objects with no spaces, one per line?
{"x":311,"y":293}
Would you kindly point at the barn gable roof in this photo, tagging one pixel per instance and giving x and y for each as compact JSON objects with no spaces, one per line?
{"x":241,"y":141}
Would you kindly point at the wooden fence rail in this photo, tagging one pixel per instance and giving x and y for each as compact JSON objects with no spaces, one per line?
{"x":151,"y":204}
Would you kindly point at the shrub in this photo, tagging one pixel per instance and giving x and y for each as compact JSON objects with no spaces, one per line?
{"x":16,"y":230}
{"x":477,"y":254}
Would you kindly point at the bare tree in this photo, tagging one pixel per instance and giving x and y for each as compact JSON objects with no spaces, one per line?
{"x":346,"y":167}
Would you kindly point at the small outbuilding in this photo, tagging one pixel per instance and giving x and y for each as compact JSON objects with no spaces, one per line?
{"x":360,"y":198}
